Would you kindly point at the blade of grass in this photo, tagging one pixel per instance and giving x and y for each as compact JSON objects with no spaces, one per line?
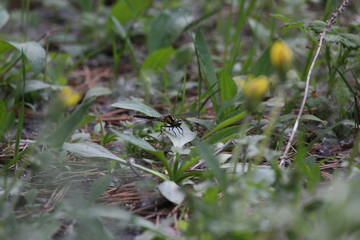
{"x":226,"y":123}
{"x":206,"y":65}
{"x":22,"y":108}
{"x":212,"y":163}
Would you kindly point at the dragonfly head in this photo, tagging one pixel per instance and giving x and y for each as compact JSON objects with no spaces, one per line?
{"x":177,"y":122}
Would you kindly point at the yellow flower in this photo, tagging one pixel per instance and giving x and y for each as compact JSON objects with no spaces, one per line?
{"x":253,"y":88}
{"x":69,"y":97}
{"x":281,"y":55}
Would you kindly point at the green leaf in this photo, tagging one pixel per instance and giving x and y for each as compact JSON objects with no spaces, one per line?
{"x":93,"y":150}
{"x":158,"y":59}
{"x":212,"y":163}
{"x":172,"y":192}
{"x":61,"y":134}
{"x":34,"y":53}
{"x":34,"y":85}
{"x":136,"y":105}
{"x":348,"y":40}
{"x":298,"y":25}
{"x":4,"y":17}
{"x":166,"y":28}
{"x":227,"y":86}
{"x":97,"y":91}
{"x":135,"y":140}
{"x":317,"y":26}
{"x":224,"y":134}
{"x":206,"y":64}
{"x":313,"y":118}
{"x":263,"y":65}
{"x":86,"y":120}
{"x":99,"y":187}
{"x":126,"y":10}
{"x":227,"y":123}
{"x":118,"y":27}
{"x":281,"y":17}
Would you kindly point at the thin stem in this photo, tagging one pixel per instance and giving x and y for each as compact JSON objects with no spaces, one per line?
{"x":308,"y":77}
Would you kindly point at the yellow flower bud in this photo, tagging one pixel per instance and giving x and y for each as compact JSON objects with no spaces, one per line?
{"x":281,"y":55}
{"x":255,"y":88}
{"x":252,"y":88}
{"x":69,"y":97}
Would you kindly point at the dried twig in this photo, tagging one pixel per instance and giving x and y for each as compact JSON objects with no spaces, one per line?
{"x":329,"y":23}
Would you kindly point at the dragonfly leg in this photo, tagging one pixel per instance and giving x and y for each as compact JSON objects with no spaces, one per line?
{"x":182,"y":130}
{"x":161,"y":130}
{"x":172,"y":128}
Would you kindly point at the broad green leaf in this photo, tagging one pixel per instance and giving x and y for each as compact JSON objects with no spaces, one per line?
{"x":158,"y":59}
{"x":86,"y":120}
{"x":118,"y":27}
{"x":346,"y":39}
{"x":228,"y":87}
{"x":172,"y":192}
{"x":93,"y":150}
{"x":205,"y":58}
{"x":206,"y":64}
{"x":317,"y":26}
{"x":99,"y":187}
{"x":4,"y":17}
{"x":34,"y":85}
{"x":166,"y":28}
{"x":136,"y":106}
{"x":63,"y":132}
{"x":263,"y":65}
{"x":34,"y":53}
{"x":97,"y":91}
{"x":5,"y":47}
{"x":125,"y":10}
{"x":135,"y":140}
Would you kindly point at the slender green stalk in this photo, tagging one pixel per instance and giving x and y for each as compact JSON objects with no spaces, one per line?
{"x":22,"y":109}
{"x":354,"y":152}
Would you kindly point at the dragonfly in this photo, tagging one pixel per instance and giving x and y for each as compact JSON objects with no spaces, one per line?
{"x":170,"y":122}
